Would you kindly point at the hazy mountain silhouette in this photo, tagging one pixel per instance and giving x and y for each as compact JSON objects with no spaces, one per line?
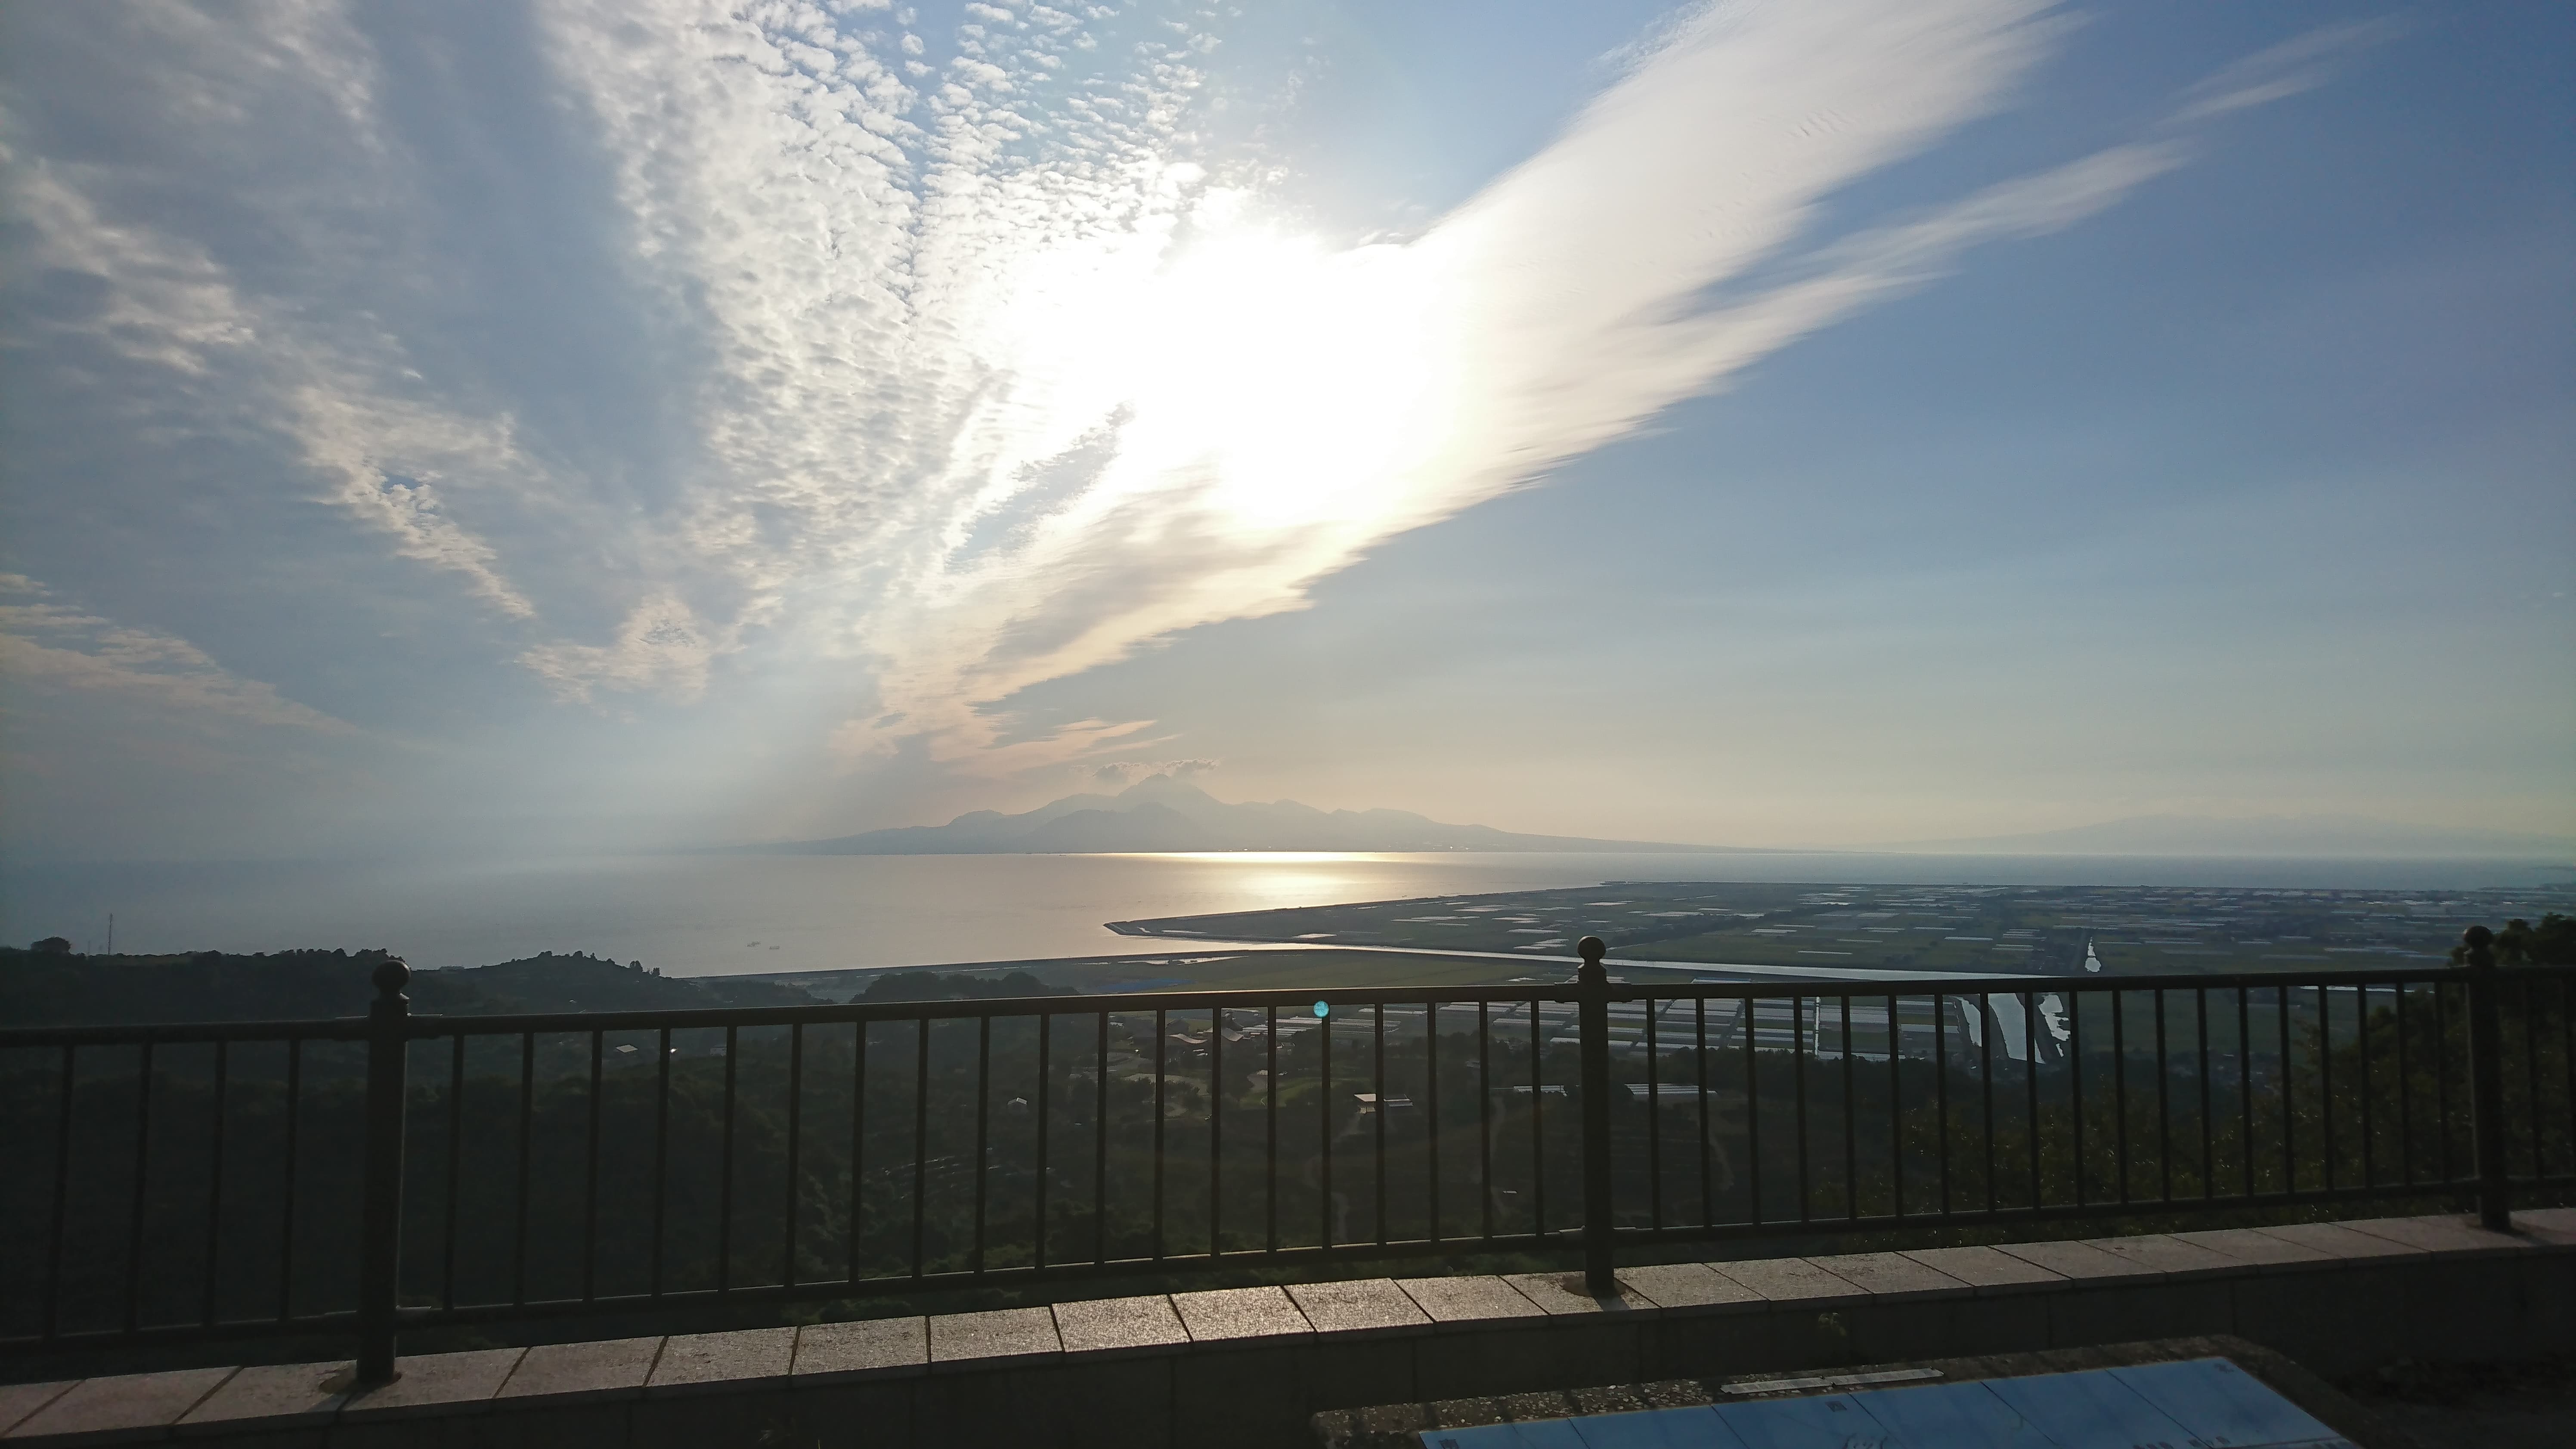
{"x":2300,"y":835}
{"x":1163,"y":814}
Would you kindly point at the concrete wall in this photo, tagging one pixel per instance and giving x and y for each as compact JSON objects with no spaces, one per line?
{"x":1248,"y":1366}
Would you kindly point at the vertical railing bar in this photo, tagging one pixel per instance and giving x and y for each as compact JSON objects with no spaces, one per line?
{"x":1654,"y":1123}
{"x":2289,"y":1156}
{"x":983,"y":1126}
{"x":215,"y":1177}
{"x":1216,"y":1130}
{"x":1592,"y":1033}
{"x":2075,"y":1083}
{"x":1377,"y":1083}
{"x":142,"y":1183}
{"x":2245,"y":1084}
{"x":2490,"y":1133}
{"x":2030,"y":1085}
{"x":2567,"y":1054}
{"x":2442,"y":1077}
{"x":1895,"y":1110}
{"x":859,"y":1145}
{"x":2405,"y":1090}
{"x":455,"y":1170}
{"x":983,"y":1136}
{"x":2325,"y":1080}
{"x":724,"y":1174}
{"x":2531,"y":1073}
{"x":1699,"y":1073}
{"x":1538,"y":1141}
{"x":1431,"y":1108}
{"x":1941,"y":1094}
{"x":1045,"y":1102}
{"x":527,"y":1130}
{"x":661,"y":1153}
{"x":590,"y":1180}
{"x":1162,"y":1058}
{"x":380,"y":1173}
{"x":2208,"y":1139}
{"x":1851,"y":1114}
{"x":1100,"y":1147}
{"x":1752,"y":1114}
{"x":1798,"y":1057}
{"x":795,"y":1150}
{"x":1100,"y":1144}
{"x":62,"y":1198}
{"x":2164,"y":1105}
{"x":286,"y":1215}
{"x":1986,"y":1023}
{"x":921,"y":1139}
{"x":1485,"y":1114}
{"x":2361,"y":1024}
{"x":1270,"y":1124}
{"x":1324,"y":1125}
{"x":2120,"y":1088}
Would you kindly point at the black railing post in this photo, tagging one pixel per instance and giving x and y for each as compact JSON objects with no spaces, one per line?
{"x":380,"y":1227}
{"x":2486,"y":1080}
{"x":1592,"y":1009}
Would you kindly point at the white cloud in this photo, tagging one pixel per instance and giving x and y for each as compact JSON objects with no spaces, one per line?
{"x":52,"y":646}
{"x":992,"y":375}
{"x":663,"y":647}
{"x":337,"y":389}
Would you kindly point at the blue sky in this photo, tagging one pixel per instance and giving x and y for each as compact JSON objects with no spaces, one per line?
{"x":566,"y":427}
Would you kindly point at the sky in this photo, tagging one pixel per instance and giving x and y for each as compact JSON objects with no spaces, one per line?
{"x":559,"y":427}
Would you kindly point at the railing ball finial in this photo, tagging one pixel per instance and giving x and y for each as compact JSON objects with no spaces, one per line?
{"x":2477,"y":938}
{"x":392,"y":976}
{"x":1591,"y":950}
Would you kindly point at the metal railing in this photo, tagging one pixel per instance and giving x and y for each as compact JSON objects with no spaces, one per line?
{"x":399,"y":1171}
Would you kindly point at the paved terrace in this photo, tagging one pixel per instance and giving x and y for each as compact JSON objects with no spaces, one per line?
{"x":1250,"y":1366}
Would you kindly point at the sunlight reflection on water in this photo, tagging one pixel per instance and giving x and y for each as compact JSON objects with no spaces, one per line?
{"x":701,"y":914}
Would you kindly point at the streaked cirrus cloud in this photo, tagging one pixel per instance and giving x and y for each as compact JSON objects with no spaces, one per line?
{"x":966,"y":376}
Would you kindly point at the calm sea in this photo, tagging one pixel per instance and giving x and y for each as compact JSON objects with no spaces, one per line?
{"x":715,"y":914}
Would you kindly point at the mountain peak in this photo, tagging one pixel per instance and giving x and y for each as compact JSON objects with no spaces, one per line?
{"x":1166,"y":788}
{"x":1165,"y":813}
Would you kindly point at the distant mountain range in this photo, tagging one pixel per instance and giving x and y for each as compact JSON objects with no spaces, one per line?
{"x":2259,"y":835}
{"x":1163,"y":814}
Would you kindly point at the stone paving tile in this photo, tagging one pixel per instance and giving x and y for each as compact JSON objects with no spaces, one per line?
{"x":2337,"y":1241}
{"x":1359,"y":1305}
{"x":435,"y":1383}
{"x":1000,"y":1333}
{"x":1467,"y":1300}
{"x":1561,"y":1293}
{"x":2261,"y":1250}
{"x":1988,"y":1270}
{"x":288,"y":1395}
{"x":2554,"y":1226}
{"x":1791,"y":1280}
{"x":1111,"y":1325}
{"x":122,"y":1406}
{"x":2080,"y":1261}
{"x":1672,"y":1286}
{"x":17,"y":1401}
{"x":2169,"y":1256}
{"x":1222,"y":1313}
{"x":2447,"y":1234}
{"x":612,"y":1368}
{"x":703,"y":1362}
{"x":1892,"y":1276}
{"x":861,"y":1348}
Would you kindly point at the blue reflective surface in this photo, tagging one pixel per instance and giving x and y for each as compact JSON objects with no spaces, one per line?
{"x":2206,"y":1403}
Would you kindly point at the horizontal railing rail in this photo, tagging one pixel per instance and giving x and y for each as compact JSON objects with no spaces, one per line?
{"x":400,"y":1171}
